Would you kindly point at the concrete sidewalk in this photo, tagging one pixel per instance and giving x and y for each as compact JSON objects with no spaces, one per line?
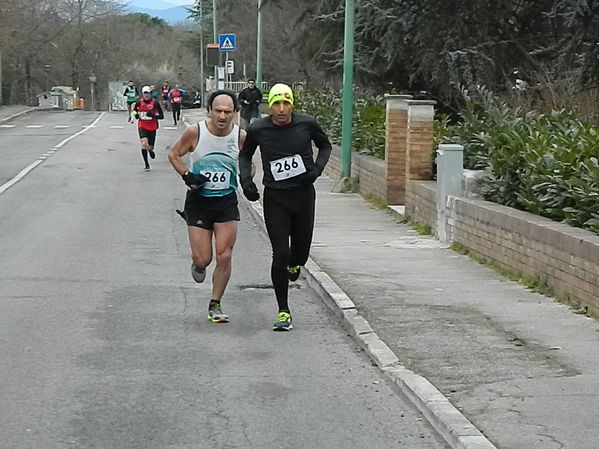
{"x":488,"y":362}
{"x":467,"y":345}
{"x":9,"y":112}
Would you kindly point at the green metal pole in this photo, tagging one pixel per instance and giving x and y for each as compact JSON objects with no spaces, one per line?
{"x":259,"y":48}
{"x":215,"y":39}
{"x":202,"y":74}
{"x":348,"y":80}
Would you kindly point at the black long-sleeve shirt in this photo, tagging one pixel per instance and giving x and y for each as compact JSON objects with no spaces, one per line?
{"x":254,"y":97}
{"x":278,"y":142}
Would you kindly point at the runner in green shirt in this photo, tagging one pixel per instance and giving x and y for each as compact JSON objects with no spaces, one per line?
{"x":132,"y":95}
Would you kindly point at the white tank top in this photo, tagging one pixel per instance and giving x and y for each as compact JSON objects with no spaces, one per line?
{"x":216,"y":158}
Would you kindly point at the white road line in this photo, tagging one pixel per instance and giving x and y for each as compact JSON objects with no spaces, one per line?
{"x":4,"y":187}
{"x":7,"y":126}
{"x":61,"y":126}
{"x":93,"y":125}
{"x":7,"y":185}
{"x":35,"y":126}
{"x":116,"y":126}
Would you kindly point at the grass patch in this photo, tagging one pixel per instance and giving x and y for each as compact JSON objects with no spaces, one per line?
{"x":380,"y":204}
{"x":421,"y":229}
{"x":376,"y":202}
{"x":535,"y":285}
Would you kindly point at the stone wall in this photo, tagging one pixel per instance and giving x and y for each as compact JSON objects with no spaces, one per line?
{"x":562,"y":258}
{"x":369,"y":171}
{"x":421,"y":203}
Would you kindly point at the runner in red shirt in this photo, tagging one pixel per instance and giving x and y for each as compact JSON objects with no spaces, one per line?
{"x":175,"y":96}
{"x":147,"y":111}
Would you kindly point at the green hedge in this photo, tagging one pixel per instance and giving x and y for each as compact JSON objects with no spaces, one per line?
{"x":546,"y":164}
{"x":368,"y":118}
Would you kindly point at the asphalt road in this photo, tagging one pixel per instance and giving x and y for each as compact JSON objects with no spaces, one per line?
{"x":104,"y":340}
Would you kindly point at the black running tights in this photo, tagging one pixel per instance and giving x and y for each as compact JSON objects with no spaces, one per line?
{"x":176,"y":112}
{"x":289,"y":218}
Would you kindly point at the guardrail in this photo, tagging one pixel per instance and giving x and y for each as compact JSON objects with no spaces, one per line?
{"x":237,"y":86}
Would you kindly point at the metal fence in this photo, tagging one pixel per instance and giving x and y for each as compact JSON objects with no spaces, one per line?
{"x":237,"y":86}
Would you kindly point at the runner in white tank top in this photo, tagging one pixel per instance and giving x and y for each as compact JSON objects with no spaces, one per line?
{"x":211,"y":203}
{"x":216,"y":158}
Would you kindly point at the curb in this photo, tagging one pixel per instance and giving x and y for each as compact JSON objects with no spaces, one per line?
{"x":447,"y":420}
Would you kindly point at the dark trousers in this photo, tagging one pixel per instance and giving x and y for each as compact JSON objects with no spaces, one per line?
{"x":289,"y":218}
{"x":176,"y":112}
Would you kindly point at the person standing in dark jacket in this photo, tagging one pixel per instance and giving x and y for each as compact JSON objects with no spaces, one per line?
{"x":249,"y":101}
{"x":285,"y":139}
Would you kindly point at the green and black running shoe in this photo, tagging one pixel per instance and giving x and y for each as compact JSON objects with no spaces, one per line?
{"x":283,"y":322}
{"x":216,"y":314}
{"x":293,"y":273}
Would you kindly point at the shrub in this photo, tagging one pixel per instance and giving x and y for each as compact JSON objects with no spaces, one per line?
{"x":368,"y":118}
{"x":546,"y":164}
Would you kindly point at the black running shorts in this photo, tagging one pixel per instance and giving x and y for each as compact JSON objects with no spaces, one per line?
{"x":203,"y":212}
{"x":150,"y":135}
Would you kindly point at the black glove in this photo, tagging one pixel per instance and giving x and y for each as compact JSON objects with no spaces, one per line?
{"x":194,"y":181}
{"x":250,"y":191}
{"x":150,"y":114}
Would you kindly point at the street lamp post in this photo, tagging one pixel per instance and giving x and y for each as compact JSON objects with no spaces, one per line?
{"x":202,"y":77}
{"x":259,"y":48}
{"x":47,"y":68}
{"x":348,"y":80}
{"x":215,"y":36}
{"x":0,"y":77}
{"x":92,"y":81}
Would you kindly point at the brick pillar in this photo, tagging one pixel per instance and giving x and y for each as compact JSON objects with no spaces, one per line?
{"x":396,"y":125}
{"x":421,"y":119}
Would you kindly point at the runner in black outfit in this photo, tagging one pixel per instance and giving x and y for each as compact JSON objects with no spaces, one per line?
{"x":285,"y":139}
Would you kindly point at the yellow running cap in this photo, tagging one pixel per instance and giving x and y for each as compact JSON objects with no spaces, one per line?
{"x":280,"y":92}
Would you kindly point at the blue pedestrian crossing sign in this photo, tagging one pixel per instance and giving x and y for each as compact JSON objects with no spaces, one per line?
{"x":226,"y":42}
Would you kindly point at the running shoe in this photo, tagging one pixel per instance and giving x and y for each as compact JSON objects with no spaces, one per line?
{"x":216,"y":314}
{"x":294,"y":273}
{"x":147,"y":168}
{"x":198,"y":273}
{"x":283,"y":322}
{"x":152,"y":154}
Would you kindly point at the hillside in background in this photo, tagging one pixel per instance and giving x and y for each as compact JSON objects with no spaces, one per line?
{"x":156,"y":8}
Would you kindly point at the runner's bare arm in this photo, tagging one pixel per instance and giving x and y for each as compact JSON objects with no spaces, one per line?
{"x":242,"y":135}
{"x":186,"y":144}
